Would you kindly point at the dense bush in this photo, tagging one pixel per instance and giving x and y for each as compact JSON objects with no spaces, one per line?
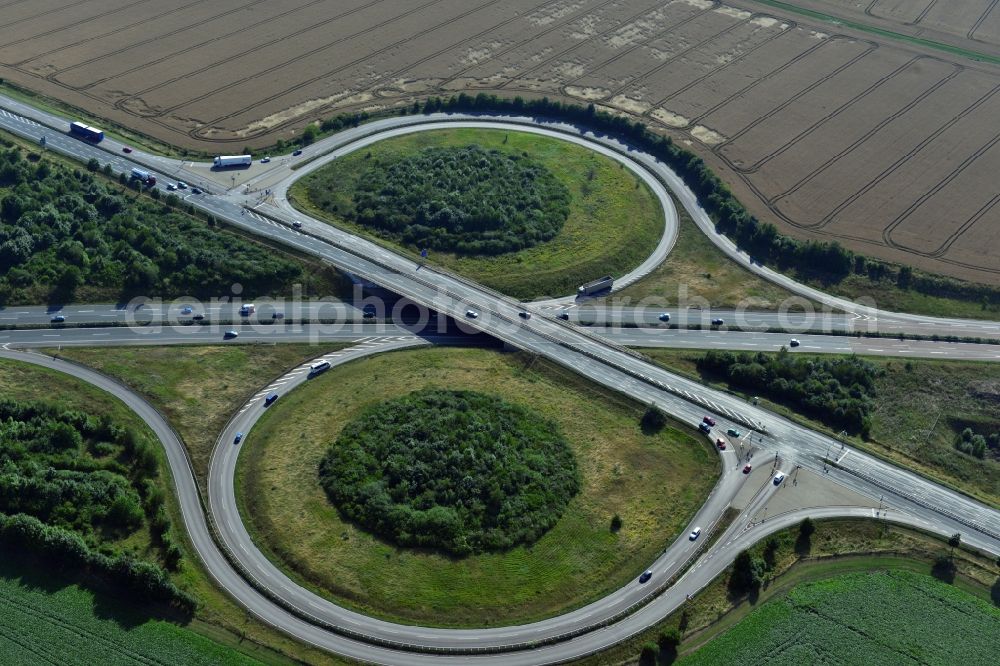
{"x":976,"y":444}
{"x":838,"y":392}
{"x":65,"y":550}
{"x":80,"y":475}
{"x":61,"y":229}
{"x":465,"y":200}
{"x":453,"y":470}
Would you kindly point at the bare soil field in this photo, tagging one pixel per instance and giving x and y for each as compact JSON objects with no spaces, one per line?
{"x":966,"y":20}
{"x":878,"y":141}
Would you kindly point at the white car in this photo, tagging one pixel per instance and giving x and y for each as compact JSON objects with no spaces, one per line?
{"x":695,"y":533}
{"x":181,"y":185}
{"x":778,"y":478}
{"x":471,"y":314}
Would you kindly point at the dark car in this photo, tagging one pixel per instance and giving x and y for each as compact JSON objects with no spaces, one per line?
{"x":794,"y":342}
{"x":199,"y":316}
{"x":238,"y":438}
{"x":296,"y":153}
{"x":646,"y":575}
{"x":58,"y":319}
{"x":564,"y":316}
{"x":708,"y":419}
{"x":230,"y":334}
{"x":705,"y":428}
{"x":195,"y":190}
{"x":664,"y":316}
{"x":368,"y":312}
{"x":126,"y":149}
{"x":269,"y":400}
{"x":733,"y":432}
{"x":718,"y":322}
{"x":721,"y":443}
{"x":524,"y":314}
{"x":746,"y":470}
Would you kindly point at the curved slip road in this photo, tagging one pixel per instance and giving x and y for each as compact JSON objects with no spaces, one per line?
{"x":739,"y":535}
{"x":605,"y":363}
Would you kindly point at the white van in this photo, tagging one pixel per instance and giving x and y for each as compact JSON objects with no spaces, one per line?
{"x":318,"y":367}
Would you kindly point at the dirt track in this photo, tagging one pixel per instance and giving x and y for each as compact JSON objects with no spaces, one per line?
{"x":889,"y":149}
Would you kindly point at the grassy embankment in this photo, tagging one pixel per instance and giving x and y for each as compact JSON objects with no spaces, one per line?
{"x":84,"y":611}
{"x":697,"y":269}
{"x":613,"y":225}
{"x":921,"y":406}
{"x":837,"y":548}
{"x":654,"y":482}
{"x":198,"y":389}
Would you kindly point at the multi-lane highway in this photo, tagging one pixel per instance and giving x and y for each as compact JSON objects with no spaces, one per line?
{"x":915,"y":500}
{"x":355,"y":326}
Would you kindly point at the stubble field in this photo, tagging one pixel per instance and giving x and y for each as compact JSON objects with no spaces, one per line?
{"x":883,"y":143}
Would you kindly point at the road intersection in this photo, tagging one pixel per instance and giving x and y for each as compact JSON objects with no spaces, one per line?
{"x":257,"y":584}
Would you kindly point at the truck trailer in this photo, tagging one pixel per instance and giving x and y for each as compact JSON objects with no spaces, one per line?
{"x":223,"y":161}
{"x":602,"y":284}
{"x":86,"y":132}
{"x":147,"y":178}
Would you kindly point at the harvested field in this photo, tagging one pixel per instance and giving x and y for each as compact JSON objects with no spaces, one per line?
{"x":878,"y":140}
{"x":961,"y":20}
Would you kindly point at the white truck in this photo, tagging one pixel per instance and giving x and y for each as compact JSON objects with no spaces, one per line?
{"x":146,"y":177}
{"x":224,"y":161}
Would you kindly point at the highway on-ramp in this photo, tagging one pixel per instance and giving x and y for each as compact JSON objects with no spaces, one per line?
{"x":916,"y":500}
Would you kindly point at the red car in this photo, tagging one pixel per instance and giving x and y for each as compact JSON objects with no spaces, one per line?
{"x":721,"y":443}
{"x":746,"y":470}
{"x":126,"y":149}
{"x":709,"y":420}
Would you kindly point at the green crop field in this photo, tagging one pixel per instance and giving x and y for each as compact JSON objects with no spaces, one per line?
{"x":47,"y":621}
{"x":866,"y":618}
{"x":614,"y":221}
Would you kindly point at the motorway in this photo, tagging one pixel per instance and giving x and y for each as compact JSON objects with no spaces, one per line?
{"x":353,"y":328}
{"x":915,"y":500}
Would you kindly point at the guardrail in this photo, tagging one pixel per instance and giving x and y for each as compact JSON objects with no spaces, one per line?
{"x":983,"y":529}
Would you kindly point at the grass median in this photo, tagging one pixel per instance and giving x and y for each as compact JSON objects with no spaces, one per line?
{"x":653,"y":482}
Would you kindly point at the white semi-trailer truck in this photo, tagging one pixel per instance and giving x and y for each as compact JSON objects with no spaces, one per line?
{"x":223,"y":161}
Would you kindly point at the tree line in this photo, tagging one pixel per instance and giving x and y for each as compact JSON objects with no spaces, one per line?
{"x":462,"y":199}
{"x":838,"y":392}
{"x":63,"y":229}
{"x":458,"y":471}
{"x":72,"y":484}
{"x":826,"y":261}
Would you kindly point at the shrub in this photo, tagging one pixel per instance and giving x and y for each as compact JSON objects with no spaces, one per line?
{"x":464,"y":200}
{"x":455,"y":470}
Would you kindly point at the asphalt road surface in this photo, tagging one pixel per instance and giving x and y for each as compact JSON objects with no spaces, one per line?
{"x":915,"y":500}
